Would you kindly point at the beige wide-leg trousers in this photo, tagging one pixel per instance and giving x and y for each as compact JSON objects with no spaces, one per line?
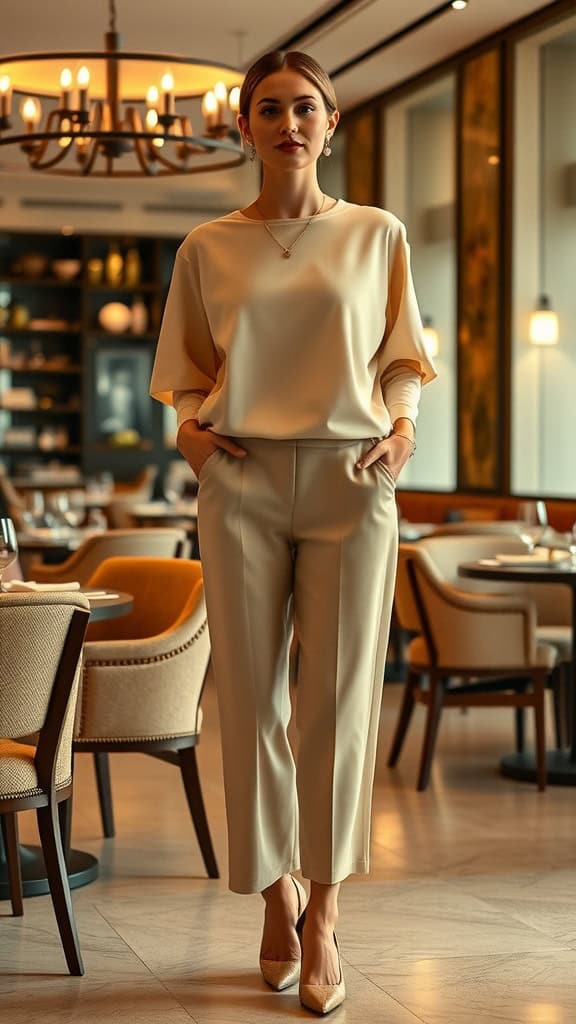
{"x":294,"y":533}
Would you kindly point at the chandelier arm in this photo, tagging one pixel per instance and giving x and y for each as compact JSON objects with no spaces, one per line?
{"x":36,"y":155}
{"x":135,"y":122}
{"x":93,"y":145}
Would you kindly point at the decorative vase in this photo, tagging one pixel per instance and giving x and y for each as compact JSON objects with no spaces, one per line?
{"x":114,"y":266}
{"x":132,"y":269}
{"x":139,"y":315}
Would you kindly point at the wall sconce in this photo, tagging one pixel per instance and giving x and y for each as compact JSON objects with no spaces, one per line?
{"x":544,"y":323}
{"x":431,"y":338}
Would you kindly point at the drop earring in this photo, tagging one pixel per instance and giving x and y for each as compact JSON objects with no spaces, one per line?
{"x":327,"y":150}
{"x":251,"y":150}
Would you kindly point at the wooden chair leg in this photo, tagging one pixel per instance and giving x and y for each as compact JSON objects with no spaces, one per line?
{"x":557,"y":686}
{"x":408,"y":702}
{"x":520,"y":730}
{"x":9,"y":823}
{"x":539,"y":722}
{"x":102,"y":770}
{"x":49,"y":829}
{"x":191,"y":780}
{"x":434,"y":710}
{"x":65,"y":820}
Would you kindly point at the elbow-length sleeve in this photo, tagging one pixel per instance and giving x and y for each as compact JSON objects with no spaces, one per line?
{"x":404,"y":364}
{"x":186,"y":363}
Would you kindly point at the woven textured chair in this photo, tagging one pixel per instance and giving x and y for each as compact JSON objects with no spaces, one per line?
{"x":83,"y":563}
{"x":486,"y":642}
{"x":143,"y":678}
{"x":41,"y":638}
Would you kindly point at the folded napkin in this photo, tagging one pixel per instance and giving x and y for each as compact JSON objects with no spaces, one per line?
{"x":29,"y":586}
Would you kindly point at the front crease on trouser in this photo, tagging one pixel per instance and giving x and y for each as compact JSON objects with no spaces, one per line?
{"x":293,"y":528}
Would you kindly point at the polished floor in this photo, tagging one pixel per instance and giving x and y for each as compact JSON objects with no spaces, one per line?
{"x":468,"y":916}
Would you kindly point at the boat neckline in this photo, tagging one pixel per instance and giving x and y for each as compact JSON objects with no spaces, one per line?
{"x":338,"y":206}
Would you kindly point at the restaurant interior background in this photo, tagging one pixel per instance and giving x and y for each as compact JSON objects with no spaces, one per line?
{"x":459,"y":117}
{"x":461,"y":124}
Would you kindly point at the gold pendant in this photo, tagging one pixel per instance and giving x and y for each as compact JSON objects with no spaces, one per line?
{"x":286,"y":254}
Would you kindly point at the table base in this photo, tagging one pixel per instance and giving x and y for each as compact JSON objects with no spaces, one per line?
{"x":561,"y":770}
{"x":82,"y":869}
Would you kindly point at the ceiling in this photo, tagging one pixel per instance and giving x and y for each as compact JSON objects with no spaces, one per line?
{"x":236,"y":33}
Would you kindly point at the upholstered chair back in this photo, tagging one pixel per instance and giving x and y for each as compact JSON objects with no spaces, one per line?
{"x":33,"y":632}
{"x":83,"y":563}
{"x":553,"y":602}
{"x":144,"y":673}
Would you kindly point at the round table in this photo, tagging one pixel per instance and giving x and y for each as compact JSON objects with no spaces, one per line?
{"x":82,"y":866}
{"x":163,"y":513}
{"x":560,"y":764}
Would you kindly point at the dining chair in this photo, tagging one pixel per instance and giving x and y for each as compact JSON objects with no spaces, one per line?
{"x":41,"y":638}
{"x":143,"y":678}
{"x":553,"y":605}
{"x":472,"y":650}
{"x":82,"y":563}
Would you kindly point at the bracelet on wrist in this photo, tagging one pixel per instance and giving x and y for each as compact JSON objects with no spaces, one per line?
{"x":397,"y":433}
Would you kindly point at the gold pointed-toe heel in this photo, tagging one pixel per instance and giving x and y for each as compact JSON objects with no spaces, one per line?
{"x":279,"y":974}
{"x":321,"y":998}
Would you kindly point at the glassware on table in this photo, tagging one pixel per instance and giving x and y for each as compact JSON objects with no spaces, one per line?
{"x":533,"y":523}
{"x":8,"y":546}
{"x":174,"y":484}
{"x":76,"y":511}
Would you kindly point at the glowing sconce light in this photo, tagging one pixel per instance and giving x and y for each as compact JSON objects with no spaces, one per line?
{"x":431,"y":338}
{"x":544,"y":323}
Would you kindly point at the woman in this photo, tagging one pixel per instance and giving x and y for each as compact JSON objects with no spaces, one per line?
{"x":291,"y":347}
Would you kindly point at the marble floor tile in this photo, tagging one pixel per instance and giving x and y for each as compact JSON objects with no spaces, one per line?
{"x":466,"y":917}
{"x":533,"y":988}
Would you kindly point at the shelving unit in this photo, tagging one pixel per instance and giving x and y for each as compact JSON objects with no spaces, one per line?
{"x":99,"y":396}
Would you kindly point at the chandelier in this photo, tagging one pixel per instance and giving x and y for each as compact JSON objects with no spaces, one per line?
{"x":113,"y":106}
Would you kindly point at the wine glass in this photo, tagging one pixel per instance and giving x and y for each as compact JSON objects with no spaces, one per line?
{"x":534,"y":523}
{"x":8,"y":546}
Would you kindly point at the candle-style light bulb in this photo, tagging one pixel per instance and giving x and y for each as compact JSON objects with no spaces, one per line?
{"x":65,"y":86}
{"x":221,"y":94}
{"x":31,"y":112}
{"x":152,"y":96}
{"x":210,"y":109}
{"x":234,"y":99}
{"x":83,"y":81}
{"x":158,"y":142}
{"x":151,"y":119}
{"x":167,"y":86}
{"x":65,"y":140}
{"x":5,"y":96}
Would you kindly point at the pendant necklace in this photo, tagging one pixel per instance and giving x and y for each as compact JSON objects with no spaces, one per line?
{"x":287,"y":250}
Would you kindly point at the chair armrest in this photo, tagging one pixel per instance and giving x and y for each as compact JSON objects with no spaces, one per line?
{"x":479,"y":630}
{"x":59,"y":573}
{"x":144,"y":689}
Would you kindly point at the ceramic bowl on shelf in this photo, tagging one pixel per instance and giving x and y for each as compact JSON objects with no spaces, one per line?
{"x":66,"y":270}
{"x":115,"y":317}
{"x":31,"y":264}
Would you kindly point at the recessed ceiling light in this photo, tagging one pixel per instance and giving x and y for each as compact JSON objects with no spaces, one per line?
{"x":459,"y":5}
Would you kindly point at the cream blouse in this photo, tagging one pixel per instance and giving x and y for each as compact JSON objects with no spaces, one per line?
{"x":325,"y":344}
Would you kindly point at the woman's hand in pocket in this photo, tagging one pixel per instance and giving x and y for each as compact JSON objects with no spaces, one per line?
{"x":197,"y":444}
{"x":393,"y":451}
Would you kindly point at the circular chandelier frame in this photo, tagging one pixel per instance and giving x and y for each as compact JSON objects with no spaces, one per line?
{"x":108,"y":123}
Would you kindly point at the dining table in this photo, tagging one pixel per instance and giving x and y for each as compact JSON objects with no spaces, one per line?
{"x":183,"y":514}
{"x":82,"y":866}
{"x":560,"y":764}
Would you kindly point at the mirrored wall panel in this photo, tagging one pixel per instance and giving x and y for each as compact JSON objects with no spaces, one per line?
{"x":544,"y":265}
{"x":420,"y":188}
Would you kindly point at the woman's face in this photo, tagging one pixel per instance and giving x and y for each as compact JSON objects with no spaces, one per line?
{"x":287,"y":106}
